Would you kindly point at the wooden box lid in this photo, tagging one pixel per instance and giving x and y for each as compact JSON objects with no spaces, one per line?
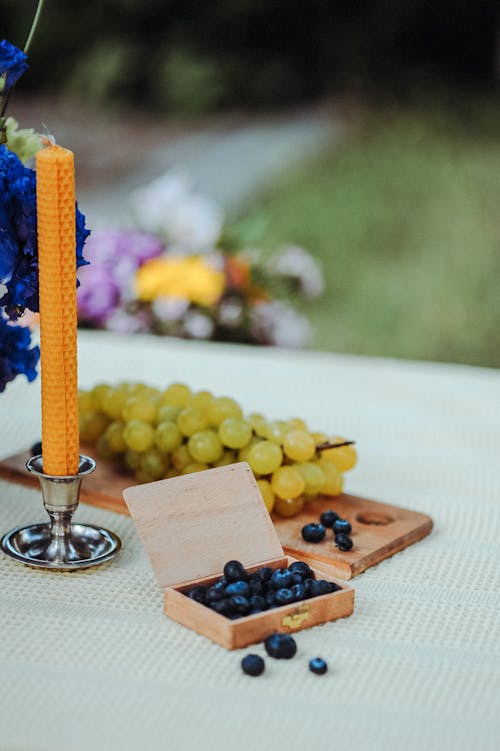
{"x":193,"y":524}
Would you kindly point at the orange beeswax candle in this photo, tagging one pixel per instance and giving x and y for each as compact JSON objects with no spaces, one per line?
{"x":57,"y":287}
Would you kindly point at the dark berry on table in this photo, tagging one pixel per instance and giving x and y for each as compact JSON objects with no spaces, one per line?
{"x":221,"y":582}
{"x":284,"y":597}
{"x":318,"y":665}
{"x":198,"y":594}
{"x":257,"y":602}
{"x":328,"y":518}
{"x":297,"y":579}
{"x":342,"y":525}
{"x":282,"y":578}
{"x":302,"y":569}
{"x":220,"y":606}
{"x":253,"y":665}
{"x":256,"y":586}
{"x":334,"y":587}
{"x":270,"y":599}
{"x":321,"y":587}
{"x":238,"y":605}
{"x":238,"y":588}
{"x":280,"y":646}
{"x":299,"y":592}
{"x":313,"y":532}
{"x":343,"y":541}
{"x":234,"y":571}
{"x":36,"y":449}
{"x":265,"y":573}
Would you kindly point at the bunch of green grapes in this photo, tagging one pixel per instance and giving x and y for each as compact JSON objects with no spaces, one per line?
{"x":156,"y":434}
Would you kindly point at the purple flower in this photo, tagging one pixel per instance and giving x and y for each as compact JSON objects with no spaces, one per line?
{"x":106,"y":248}
{"x":18,"y":235}
{"x":98,"y":296}
{"x":12,"y":63}
{"x":16,"y":357}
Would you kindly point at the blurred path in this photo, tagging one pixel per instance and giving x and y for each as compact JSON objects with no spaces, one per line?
{"x":230,"y":159}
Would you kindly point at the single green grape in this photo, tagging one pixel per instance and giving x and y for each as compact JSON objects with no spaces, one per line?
{"x":114,"y":437}
{"x":200,"y":399}
{"x":289,"y":506}
{"x":344,"y":457}
{"x":98,"y":393}
{"x":114,"y":399}
{"x":258,"y":423}
{"x":222,"y":407}
{"x":265,"y":457}
{"x":132,"y":460}
{"x":86,"y":403}
{"x":235,"y":433}
{"x":167,"y":436}
{"x":194,"y":467}
{"x":205,"y":446}
{"x":267,"y":494}
{"x":180,"y":457}
{"x":276,"y":430}
{"x":299,"y":445}
{"x":191,"y":420}
{"x":244,"y":452}
{"x":319,"y":437}
{"x":154,"y":463}
{"x":313,"y":476}
{"x":138,"y":435}
{"x":334,"y":482}
{"x":167,"y":413}
{"x":177,"y":394}
{"x":102,"y":447}
{"x":228,"y":457}
{"x":297,"y":423}
{"x":287,"y":482}
{"x":139,"y":408}
{"x":92,"y":426}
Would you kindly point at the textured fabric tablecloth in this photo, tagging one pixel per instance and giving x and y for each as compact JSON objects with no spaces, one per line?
{"x":89,"y":661}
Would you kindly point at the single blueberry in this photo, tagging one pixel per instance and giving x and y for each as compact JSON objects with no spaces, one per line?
{"x":343,"y":541}
{"x":318,"y":665}
{"x":253,"y":665}
{"x":256,"y":586}
{"x":282,"y":578}
{"x":214,"y":593}
{"x":297,"y":579}
{"x":299,"y":592}
{"x":309,"y":586}
{"x":280,"y":646}
{"x":198,"y":594}
{"x":265,"y":573}
{"x":284,"y":596}
{"x":234,"y":570}
{"x":313,"y":532}
{"x":301,"y":568}
{"x":321,"y":587}
{"x":220,"y":606}
{"x":258,"y":603}
{"x":328,"y":518}
{"x":238,"y":588}
{"x":342,"y":525}
{"x":238,"y":605}
{"x":270,"y":599}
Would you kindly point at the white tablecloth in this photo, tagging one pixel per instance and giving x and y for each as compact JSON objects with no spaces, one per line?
{"x":89,"y":661}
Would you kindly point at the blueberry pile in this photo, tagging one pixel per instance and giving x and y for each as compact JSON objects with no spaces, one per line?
{"x":329,"y":519}
{"x":281,"y":647}
{"x":238,"y":593}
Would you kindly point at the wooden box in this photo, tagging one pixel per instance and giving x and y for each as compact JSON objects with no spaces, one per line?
{"x":193,"y":524}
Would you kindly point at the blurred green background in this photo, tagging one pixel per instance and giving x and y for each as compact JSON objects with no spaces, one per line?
{"x":404,"y":215}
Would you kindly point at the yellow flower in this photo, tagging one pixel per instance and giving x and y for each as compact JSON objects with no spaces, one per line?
{"x":189,"y":278}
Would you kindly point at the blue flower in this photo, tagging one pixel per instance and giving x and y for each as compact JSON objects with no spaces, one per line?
{"x":18,"y":235}
{"x":16,"y":357}
{"x":12,"y":63}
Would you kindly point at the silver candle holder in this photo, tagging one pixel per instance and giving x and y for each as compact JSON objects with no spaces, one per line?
{"x":60,"y":545}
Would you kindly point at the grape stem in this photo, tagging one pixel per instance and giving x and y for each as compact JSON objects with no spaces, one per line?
{"x":328,"y":445}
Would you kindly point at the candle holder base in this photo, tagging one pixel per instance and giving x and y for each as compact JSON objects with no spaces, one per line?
{"x":88,"y":546}
{"x":60,"y":545}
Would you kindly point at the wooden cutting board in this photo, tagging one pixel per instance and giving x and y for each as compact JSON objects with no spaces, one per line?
{"x":379,"y":530}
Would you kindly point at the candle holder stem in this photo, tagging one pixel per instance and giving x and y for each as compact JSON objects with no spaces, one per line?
{"x":60,"y":545}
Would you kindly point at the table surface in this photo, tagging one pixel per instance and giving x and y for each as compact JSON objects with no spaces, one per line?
{"x":89,"y":660}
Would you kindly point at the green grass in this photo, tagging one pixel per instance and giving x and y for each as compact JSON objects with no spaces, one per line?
{"x":406,"y":222}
